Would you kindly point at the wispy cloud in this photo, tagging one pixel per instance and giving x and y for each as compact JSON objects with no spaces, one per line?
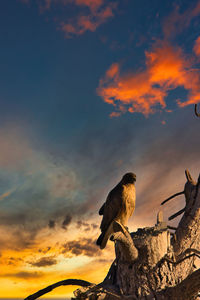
{"x":197,"y":47}
{"x":23,"y":275}
{"x":178,"y":21}
{"x":89,"y":16}
{"x":66,"y":221}
{"x":92,"y":4}
{"x":34,"y":190}
{"x":97,"y":15}
{"x":5,"y":195}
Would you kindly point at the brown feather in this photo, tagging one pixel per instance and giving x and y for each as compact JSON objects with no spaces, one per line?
{"x":119,"y":206}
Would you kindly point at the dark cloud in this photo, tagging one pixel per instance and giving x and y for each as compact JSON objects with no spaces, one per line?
{"x":52,"y":224}
{"x":23,"y":275}
{"x":17,"y":238}
{"x":44,"y":262}
{"x":81,"y":223}
{"x":14,"y":261}
{"x":94,"y":226}
{"x":66,"y":221}
{"x":86,"y":226}
{"x":84,"y":246}
{"x":103,"y":260}
{"x":45,"y":250}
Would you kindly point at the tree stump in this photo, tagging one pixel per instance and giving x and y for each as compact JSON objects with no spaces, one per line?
{"x":153,"y":263}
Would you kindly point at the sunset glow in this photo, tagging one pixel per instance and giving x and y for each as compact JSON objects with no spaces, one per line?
{"x":90,"y":90}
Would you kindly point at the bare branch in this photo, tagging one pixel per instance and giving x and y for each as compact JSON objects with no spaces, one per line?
{"x":169,"y":260}
{"x":57,"y":284}
{"x":196,"y":112}
{"x":171,"y":197}
{"x":176,"y":214}
{"x":192,"y":252}
{"x":188,"y":231}
{"x":171,"y":227}
{"x":189,"y":250}
{"x":189,"y":177}
{"x":100,"y":288}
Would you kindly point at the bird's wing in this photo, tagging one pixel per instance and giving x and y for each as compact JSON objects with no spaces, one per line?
{"x":112,"y":206}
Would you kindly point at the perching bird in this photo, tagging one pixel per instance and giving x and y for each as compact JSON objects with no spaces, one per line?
{"x":119,"y":206}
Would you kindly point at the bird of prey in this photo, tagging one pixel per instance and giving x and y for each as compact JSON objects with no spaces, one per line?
{"x":119,"y":206}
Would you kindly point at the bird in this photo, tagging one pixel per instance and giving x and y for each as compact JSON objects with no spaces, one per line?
{"x":119,"y":206}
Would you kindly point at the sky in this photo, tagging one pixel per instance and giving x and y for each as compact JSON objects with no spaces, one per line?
{"x":90,"y":90}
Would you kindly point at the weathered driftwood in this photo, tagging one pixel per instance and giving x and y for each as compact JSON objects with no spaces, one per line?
{"x":154,"y":263}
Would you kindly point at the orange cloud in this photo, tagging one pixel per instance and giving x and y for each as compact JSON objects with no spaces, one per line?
{"x":166,"y":68}
{"x":92,"y":4}
{"x":92,"y":14}
{"x":197,"y":47}
{"x":98,"y":14}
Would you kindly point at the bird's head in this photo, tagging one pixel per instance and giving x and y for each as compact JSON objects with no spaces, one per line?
{"x":129,"y":178}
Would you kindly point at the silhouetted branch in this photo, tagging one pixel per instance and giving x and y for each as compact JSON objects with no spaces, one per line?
{"x":171,"y":227}
{"x":188,"y":230}
{"x":171,"y":197}
{"x":196,"y":112}
{"x":183,"y":256}
{"x":176,"y":214}
{"x":57,"y":284}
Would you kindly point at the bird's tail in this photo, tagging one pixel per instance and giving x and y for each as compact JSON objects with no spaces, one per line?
{"x":104,"y":236}
{"x":100,"y":239}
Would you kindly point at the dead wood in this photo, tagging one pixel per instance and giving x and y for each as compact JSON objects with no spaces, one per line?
{"x":151,"y":263}
{"x":173,"y":196}
{"x":57,"y":284}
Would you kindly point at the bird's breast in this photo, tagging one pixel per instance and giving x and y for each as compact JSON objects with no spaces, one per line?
{"x":128,"y":206}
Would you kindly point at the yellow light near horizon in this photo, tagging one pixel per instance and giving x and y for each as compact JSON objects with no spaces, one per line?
{"x":18,"y":288}
{"x":20,"y":277}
